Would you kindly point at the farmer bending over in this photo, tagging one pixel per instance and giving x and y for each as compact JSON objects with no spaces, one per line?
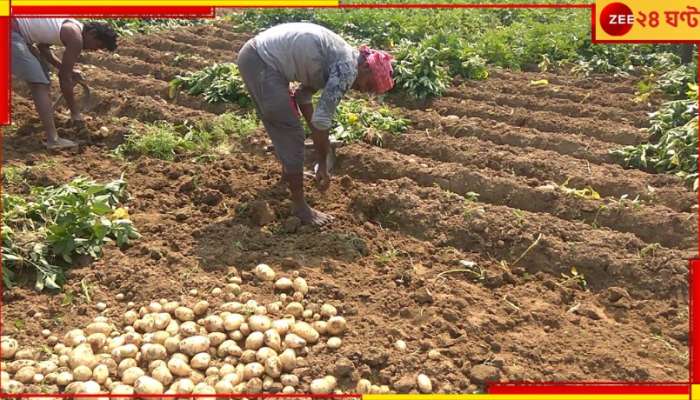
{"x":29,"y":63}
{"x":318,"y":59}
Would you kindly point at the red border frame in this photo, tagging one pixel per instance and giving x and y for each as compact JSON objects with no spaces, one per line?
{"x":495,"y":388}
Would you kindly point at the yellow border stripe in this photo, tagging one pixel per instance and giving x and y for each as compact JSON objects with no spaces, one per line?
{"x":525,"y":397}
{"x":202,"y":3}
{"x":4,"y":8}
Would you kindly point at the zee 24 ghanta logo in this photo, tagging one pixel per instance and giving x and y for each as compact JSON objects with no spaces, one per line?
{"x":617,"y":19}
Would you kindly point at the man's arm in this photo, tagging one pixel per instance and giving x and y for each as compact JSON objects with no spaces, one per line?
{"x":73,"y":40}
{"x":341,"y":78}
{"x":47,"y":54}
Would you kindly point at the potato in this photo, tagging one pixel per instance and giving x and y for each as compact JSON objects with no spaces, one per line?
{"x":305,"y":331}
{"x":273,"y":340}
{"x":216,"y":338}
{"x":283,"y":284}
{"x":179,"y":367}
{"x":334,"y":343}
{"x":294,"y":341}
{"x":288,"y":360}
{"x":130,"y":376}
{"x":25,"y":374}
{"x":161,"y":321}
{"x":264,"y":353}
{"x":100,"y":374}
{"x":172,"y":344}
{"x":200,"y":361}
{"x":97,"y":341}
{"x":288,"y":390}
{"x":189,"y":328}
{"x":424,"y":384}
{"x":299,"y":285}
{"x":273,"y":367}
{"x":259,"y":323}
{"x":200,"y":307}
{"x":99,"y":327}
{"x":213,"y":323}
{"x":194,"y":344}
{"x":229,"y":348}
{"x":126,"y":351}
{"x":232,"y":307}
{"x":254,"y":386}
{"x":184,"y":314}
{"x":130,"y":317}
{"x":170,"y":307}
{"x":204,"y":388}
{"x":163,"y":375}
{"x":122,"y":389}
{"x":233,"y":322}
{"x":400,"y":345}
{"x":82,"y":355}
{"x":253,"y":370}
{"x":12,"y":386}
{"x":126,"y":364}
{"x":223,"y":387}
{"x":281,"y":326}
{"x":248,"y":356}
{"x":46,"y":367}
{"x":150,"y":352}
{"x":148,"y":385}
{"x":254,"y":341}
{"x":74,"y":337}
{"x":363,"y":386}
{"x":184,"y":386}
{"x":295,"y":308}
{"x":323,"y":385}
{"x":133,"y":338}
{"x":173,"y":327}
{"x":264,"y":273}
{"x":154,"y":307}
{"x":328,"y":310}
{"x":336,"y":326}
{"x":64,"y":378}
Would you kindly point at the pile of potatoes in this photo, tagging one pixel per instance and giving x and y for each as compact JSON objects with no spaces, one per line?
{"x":165,"y":347}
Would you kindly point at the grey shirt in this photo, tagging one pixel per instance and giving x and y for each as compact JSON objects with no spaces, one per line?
{"x":317,"y":58}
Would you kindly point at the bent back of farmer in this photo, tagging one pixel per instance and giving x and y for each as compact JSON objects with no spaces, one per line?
{"x":32,"y":39}
{"x":320,"y":60}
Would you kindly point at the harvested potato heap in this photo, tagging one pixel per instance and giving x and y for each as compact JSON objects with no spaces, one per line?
{"x":242,"y":347}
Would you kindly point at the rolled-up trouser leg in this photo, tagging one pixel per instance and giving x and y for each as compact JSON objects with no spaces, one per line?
{"x":270,"y":92}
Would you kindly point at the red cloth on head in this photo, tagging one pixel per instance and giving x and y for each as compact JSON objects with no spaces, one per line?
{"x":379,"y":63}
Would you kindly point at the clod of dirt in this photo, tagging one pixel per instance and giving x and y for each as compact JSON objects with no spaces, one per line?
{"x":680,"y":332}
{"x":187,"y":186}
{"x":261,"y":213}
{"x":405,"y":384}
{"x":291,"y":224}
{"x":208,"y":196}
{"x":423,"y":296}
{"x":375,"y":357}
{"x":591,"y":311}
{"x":483,"y":373}
{"x":617,"y":293}
{"x":343,"y":367}
{"x":346,"y":182}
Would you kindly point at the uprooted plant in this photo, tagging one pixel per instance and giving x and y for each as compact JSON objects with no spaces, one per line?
{"x":218,"y":83}
{"x":44,"y":231}
{"x":356,"y":120}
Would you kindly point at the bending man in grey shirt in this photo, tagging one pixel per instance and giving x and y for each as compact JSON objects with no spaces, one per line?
{"x":320,"y":60}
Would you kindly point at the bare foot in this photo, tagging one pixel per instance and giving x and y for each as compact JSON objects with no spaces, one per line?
{"x":60,"y":143}
{"x":309,"y":216}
